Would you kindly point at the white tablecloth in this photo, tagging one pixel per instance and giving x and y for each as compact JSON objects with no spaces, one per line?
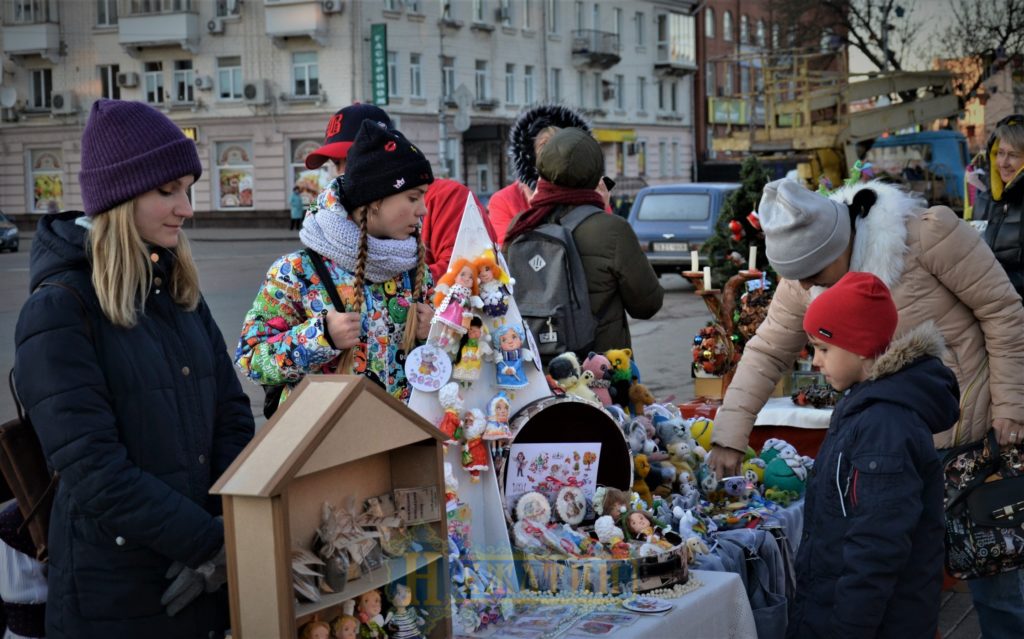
{"x":781,"y":411}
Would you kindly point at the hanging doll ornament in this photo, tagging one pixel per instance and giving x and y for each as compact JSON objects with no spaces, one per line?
{"x":509,"y":357}
{"x":455,"y":300}
{"x":493,"y":281}
{"x":474,"y":451}
{"x":453,"y":405}
{"x":472,"y":350}
{"x":498,"y":410}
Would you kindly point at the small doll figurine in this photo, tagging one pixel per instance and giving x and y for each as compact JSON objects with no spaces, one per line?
{"x":641,"y":527}
{"x":510,"y":355}
{"x":451,"y":422}
{"x":315,"y":630}
{"x":493,"y":279}
{"x":472,"y":349}
{"x":345,"y":626}
{"x":474,"y":451}
{"x":612,"y":537}
{"x":497,"y":418}
{"x":454,"y":303}
{"x":371,"y":622}
{"x":403,"y":621}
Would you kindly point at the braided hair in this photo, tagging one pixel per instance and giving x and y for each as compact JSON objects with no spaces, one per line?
{"x":360,"y":215}
{"x":411,"y":321}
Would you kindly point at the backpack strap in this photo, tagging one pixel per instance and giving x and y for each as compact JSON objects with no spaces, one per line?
{"x":578,"y":215}
{"x":326,"y":279}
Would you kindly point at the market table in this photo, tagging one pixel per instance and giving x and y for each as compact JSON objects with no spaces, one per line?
{"x":802,"y":426}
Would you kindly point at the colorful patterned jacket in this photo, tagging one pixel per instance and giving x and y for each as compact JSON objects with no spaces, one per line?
{"x":284,"y":334}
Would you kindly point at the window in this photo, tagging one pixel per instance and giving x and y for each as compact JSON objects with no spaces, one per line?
{"x":663,"y":158}
{"x":744,"y":29}
{"x":447,"y":77}
{"x":310,"y":183}
{"x":447,"y":10}
{"x":306,"y":73}
{"x":673,"y":95}
{"x":709,"y":22}
{"x":47,"y":179}
{"x":483,"y":178}
{"x":510,"y":83}
{"x":527,"y":9}
{"x":184,"y":81}
{"x":227,"y":8}
{"x":392,"y":73}
{"x":30,"y":11}
{"x":413,"y":6}
{"x":617,"y":21}
{"x":744,"y":80}
{"x":641,"y":158}
{"x":675,"y":160}
{"x":528,"y":91}
{"x":415,"y":76}
{"x":478,"y":10}
{"x":229,"y":78}
{"x":775,"y":36}
{"x":729,"y":88}
{"x":483,"y":81}
{"x":555,"y":89}
{"x":106,"y":13}
{"x":709,"y":78}
{"x":579,"y":16}
{"x":505,"y":12}
{"x":661,"y":95}
{"x":553,"y":16}
{"x":581,"y":83}
{"x":595,"y":17}
{"x":234,"y":175}
{"x":451,"y":158}
{"x":641,"y":35}
{"x":597,"y":91}
{"x":620,"y":92}
{"x":108,"y":82}
{"x":675,"y":207}
{"x":641,"y":93}
{"x":761,"y":34}
{"x":391,"y":5}
{"x":727,"y":26}
{"x":154,"y":76}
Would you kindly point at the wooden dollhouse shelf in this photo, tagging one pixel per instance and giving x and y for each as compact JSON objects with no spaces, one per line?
{"x":394,"y":568}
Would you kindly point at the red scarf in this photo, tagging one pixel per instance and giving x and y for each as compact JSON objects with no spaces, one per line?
{"x":547,"y":198}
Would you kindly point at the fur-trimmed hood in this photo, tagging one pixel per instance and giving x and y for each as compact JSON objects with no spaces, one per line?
{"x":528,"y":124}
{"x":911,"y":376}
{"x":881,"y":211}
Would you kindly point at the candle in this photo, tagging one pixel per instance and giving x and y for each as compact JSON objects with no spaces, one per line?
{"x":707,"y":278}
{"x":694,"y":263}
{"x":753,"y":258}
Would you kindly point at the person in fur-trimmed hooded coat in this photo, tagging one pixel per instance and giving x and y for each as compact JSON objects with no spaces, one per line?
{"x":515,"y":198}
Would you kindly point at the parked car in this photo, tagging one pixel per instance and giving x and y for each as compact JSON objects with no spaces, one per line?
{"x":8,"y":234}
{"x":670,"y":220}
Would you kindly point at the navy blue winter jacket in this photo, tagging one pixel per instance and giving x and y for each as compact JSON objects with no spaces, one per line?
{"x":870,"y":561}
{"x":139,"y":423}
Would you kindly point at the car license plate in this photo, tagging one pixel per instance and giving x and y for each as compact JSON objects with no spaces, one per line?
{"x":671,"y":246}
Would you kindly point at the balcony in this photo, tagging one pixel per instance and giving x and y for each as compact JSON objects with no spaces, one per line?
{"x":596,"y":49}
{"x":31,"y":29}
{"x":158,"y":23}
{"x":672,"y":61}
{"x":296,"y":19}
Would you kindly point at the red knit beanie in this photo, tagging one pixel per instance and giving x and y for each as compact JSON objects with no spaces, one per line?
{"x":856,"y":314}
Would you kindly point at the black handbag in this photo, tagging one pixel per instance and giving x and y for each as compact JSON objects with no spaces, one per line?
{"x":984,"y":507}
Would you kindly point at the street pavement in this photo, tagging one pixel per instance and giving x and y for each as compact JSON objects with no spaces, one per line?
{"x":233,"y":262}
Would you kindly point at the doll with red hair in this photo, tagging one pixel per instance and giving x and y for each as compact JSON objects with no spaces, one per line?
{"x":492,"y":281}
{"x":456,"y":297}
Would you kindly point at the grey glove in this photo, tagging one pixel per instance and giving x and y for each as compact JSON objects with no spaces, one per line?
{"x":188,"y":584}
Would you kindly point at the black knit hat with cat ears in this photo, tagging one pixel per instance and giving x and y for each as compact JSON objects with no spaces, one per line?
{"x":530,"y":122}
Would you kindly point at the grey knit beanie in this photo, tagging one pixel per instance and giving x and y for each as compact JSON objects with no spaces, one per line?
{"x":803,"y":231}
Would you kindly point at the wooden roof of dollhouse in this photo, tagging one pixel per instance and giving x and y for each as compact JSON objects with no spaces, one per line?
{"x":327,"y":421}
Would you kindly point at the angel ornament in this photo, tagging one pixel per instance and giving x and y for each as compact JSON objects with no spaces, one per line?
{"x":455,"y":300}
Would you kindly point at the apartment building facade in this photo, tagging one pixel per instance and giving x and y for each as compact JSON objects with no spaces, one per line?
{"x":254,"y":83}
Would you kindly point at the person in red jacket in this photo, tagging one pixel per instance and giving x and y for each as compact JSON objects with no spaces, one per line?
{"x":445,"y":202}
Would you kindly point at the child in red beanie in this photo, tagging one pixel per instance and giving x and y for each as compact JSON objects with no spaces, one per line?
{"x":870,"y":561}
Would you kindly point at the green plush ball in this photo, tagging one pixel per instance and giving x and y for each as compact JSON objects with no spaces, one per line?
{"x":778,"y":474}
{"x":700,"y":430}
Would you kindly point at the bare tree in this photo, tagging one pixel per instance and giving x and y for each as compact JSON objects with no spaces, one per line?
{"x":883,"y":30}
{"x":989,"y":31}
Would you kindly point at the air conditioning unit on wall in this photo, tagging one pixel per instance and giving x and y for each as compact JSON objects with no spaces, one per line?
{"x":332,"y":6}
{"x":63,"y":102}
{"x":256,"y":93}
{"x":204,"y":82}
{"x":127,"y":79}
{"x":216,"y":25}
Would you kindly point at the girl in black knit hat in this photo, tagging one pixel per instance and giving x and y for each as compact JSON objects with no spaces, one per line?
{"x":353,"y":300}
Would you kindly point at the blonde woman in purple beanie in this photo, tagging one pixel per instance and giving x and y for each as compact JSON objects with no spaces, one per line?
{"x":126,"y":380}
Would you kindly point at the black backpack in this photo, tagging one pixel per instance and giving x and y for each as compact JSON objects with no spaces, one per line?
{"x":551,"y":286}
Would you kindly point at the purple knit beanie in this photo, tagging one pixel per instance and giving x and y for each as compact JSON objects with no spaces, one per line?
{"x":130,"y":148}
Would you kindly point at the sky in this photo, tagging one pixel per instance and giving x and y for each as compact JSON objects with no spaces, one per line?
{"x":935,"y":15}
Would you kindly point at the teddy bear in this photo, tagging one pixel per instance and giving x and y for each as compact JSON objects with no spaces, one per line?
{"x":639,"y":398}
{"x":622,"y":374}
{"x":601,"y":369}
{"x":682,"y":455}
{"x":642,"y":468}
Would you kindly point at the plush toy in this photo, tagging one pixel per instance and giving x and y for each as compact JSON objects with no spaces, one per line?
{"x":622,"y":375}
{"x":611,"y":501}
{"x":683,"y":457}
{"x":667,"y":429}
{"x":636,"y":435}
{"x":641,"y":468}
{"x":753,"y":470}
{"x":451,"y":422}
{"x":601,"y":368}
{"x":565,"y":370}
{"x":774,"y":447}
{"x":640,"y":397}
{"x":701,"y":429}
{"x":474,"y":451}
{"x":619,"y":415}
{"x":781,"y":475}
{"x":582,"y":389}
{"x":612,"y":537}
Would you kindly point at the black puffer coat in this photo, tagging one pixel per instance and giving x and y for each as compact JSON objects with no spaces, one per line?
{"x":1002,"y":206}
{"x":139,"y":423}
{"x":870,"y":561}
